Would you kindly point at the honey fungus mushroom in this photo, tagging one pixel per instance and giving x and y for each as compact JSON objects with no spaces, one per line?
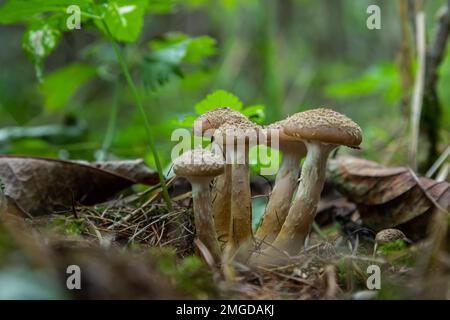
{"x":206,"y":124}
{"x":237,"y":139}
{"x":213,"y":119}
{"x":321,"y":130}
{"x":292,"y":150}
{"x":200,"y":166}
{"x":390,"y":235}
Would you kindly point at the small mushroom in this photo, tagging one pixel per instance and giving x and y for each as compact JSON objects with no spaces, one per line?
{"x":221,"y":193}
{"x":390,"y":235}
{"x":238,"y":138}
{"x":321,"y":130}
{"x":200,"y":166}
{"x":292,"y":150}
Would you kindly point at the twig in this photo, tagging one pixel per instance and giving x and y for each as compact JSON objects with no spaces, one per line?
{"x":419,"y":84}
{"x":443,"y":173}
{"x":438,"y":162}
{"x":433,"y":201}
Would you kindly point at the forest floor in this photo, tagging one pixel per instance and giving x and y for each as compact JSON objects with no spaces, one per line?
{"x":133,"y":248}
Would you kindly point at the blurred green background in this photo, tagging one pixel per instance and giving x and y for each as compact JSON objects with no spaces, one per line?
{"x":277,"y":57}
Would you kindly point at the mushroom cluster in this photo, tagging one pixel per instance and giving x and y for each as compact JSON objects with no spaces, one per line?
{"x":226,"y":218}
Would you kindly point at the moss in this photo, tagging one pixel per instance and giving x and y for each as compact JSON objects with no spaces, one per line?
{"x":69,"y":225}
{"x":190,"y":275}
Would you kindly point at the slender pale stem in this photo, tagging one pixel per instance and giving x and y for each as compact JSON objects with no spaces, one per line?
{"x":203,"y":216}
{"x":282,"y":193}
{"x":303,"y":210}
{"x":222,"y":204}
{"x":241,"y":201}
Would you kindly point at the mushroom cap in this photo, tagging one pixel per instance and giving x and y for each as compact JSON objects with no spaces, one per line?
{"x":389,"y":235}
{"x":268,"y":130}
{"x":199,"y":163}
{"x":213,"y":119}
{"x":323,"y":125}
{"x":230,"y":132}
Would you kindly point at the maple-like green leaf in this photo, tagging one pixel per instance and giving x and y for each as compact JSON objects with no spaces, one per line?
{"x":219,"y":98}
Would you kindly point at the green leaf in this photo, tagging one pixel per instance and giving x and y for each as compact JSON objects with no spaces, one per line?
{"x":38,"y":42}
{"x":194,"y":49}
{"x":219,"y":98}
{"x":61,"y":85}
{"x":382,"y":78}
{"x":124,"y":19}
{"x":160,"y":6}
{"x":14,"y":11}
{"x":169,"y":54}
{"x":256,"y":113}
{"x":155,"y":73}
{"x":200,"y":48}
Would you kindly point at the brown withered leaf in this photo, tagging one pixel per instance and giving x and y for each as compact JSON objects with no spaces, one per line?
{"x":387,"y":197}
{"x":41,"y":186}
{"x":136,"y":170}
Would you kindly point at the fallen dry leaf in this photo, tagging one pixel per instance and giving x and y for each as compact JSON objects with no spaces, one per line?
{"x":387,"y":197}
{"x":41,"y":186}
{"x":136,"y":170}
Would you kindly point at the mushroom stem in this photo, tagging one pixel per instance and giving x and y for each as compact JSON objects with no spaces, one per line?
{"x":241,"y":201}
{"x":204,"y":222}
{"x":280,"y":199}
{"x":222,"y":204}
{"x":303,"y":210}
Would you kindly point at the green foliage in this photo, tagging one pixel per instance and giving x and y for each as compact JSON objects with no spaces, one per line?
{"x":392,"y":248}
{"x":21,"y":103}
{"x":219,"y":98}
{"x":444,"y":94}
{"x":69,"y":225}
{"x":258,"y":209}
{"x":381,"y":78}
{"x":14,"y":11}
{"x":160,"y":6}
{"x":168,"y":55}
{"x":189,"y":275}
{"x":61,"y":85}
{"x":124,"y":18}
{"x":38,"y":42}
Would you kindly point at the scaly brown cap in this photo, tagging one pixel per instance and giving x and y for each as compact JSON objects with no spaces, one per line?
{"x":323,"y":125}
{"x":215,"y":118}
{"x":238,"y":131}
{"x":278,"y":126}
{"x":198,"y":163}
{"x":389,"y":235}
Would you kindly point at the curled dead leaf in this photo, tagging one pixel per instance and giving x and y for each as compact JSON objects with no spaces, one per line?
{"x":388,"y":197}
{"x":41,"y":186}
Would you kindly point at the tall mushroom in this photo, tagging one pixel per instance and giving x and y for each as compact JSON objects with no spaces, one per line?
{"x":221,"y":193}
{"x":292,"y":150}
{"x":238,"y":138}
{"x":322,"y":130}
{"x":200,"y":166}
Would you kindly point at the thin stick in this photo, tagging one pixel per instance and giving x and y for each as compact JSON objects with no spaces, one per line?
{"x":138,"y":100}
{"x":418,"y":85}
{"x":438,"y":162}
{"x":433,"y":201}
